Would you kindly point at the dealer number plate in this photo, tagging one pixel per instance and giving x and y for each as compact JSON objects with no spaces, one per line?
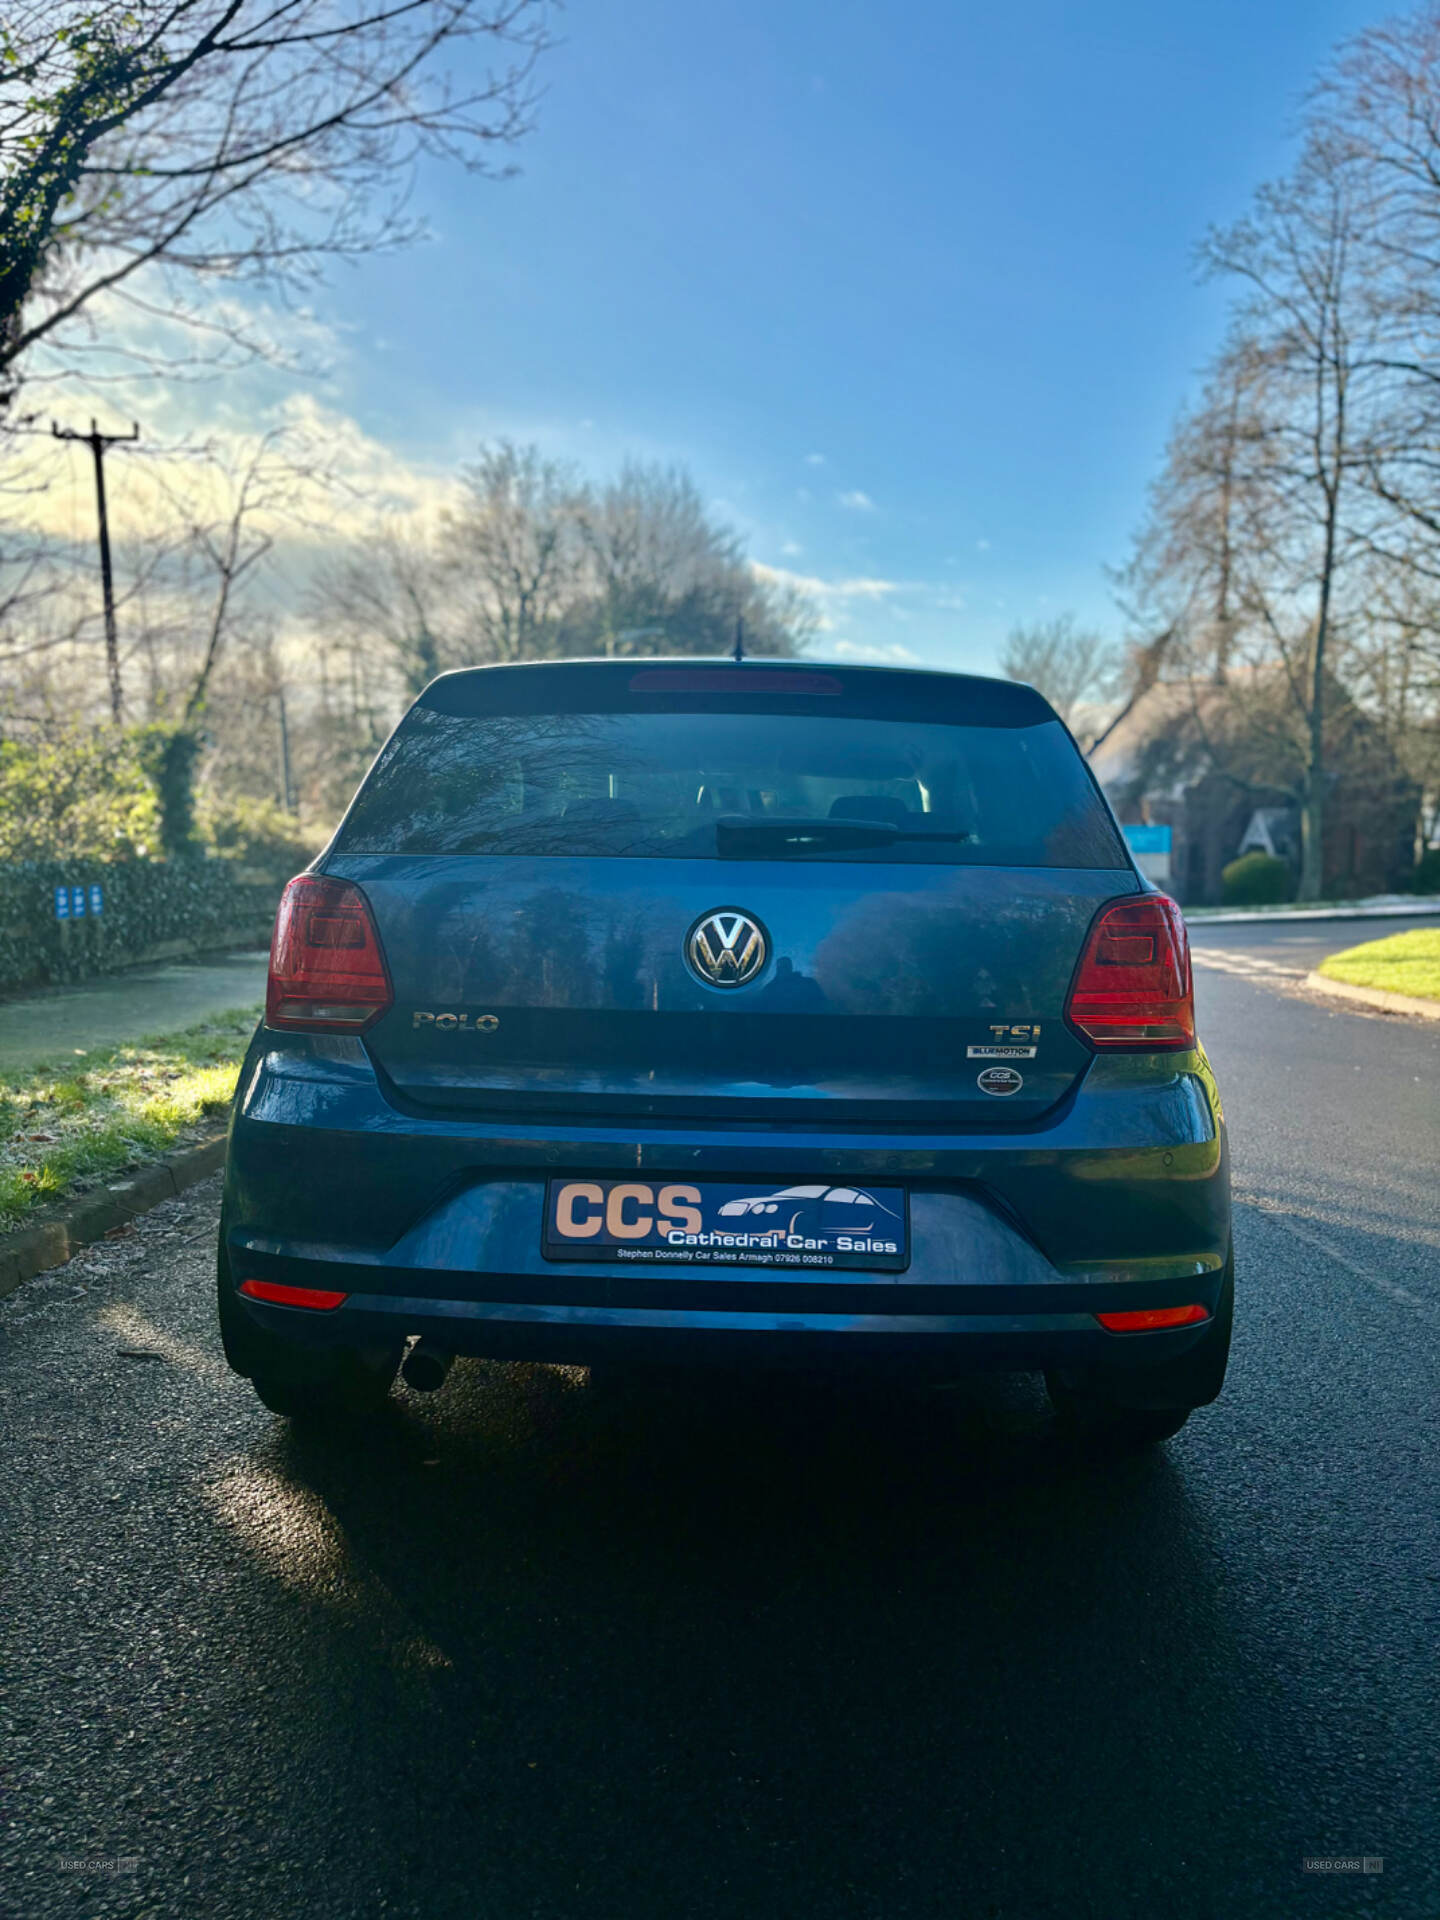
{"x":736,"y":1224}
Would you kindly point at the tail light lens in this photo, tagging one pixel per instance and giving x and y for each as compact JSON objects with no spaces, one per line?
{"x":1133,"y":987}
{"x":327,"y":971}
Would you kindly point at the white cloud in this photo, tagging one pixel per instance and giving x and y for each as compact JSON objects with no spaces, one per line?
{"x":344,"y":481}
{"x":180,"y":368}
{"x":982,"y":546}
{"x":791,"y":549}
{"x":814,"y":459}
{"x":857,"y":501}
{"x":857,"y":588}
{"x":204,"y":410}
{"x":891,"y":654}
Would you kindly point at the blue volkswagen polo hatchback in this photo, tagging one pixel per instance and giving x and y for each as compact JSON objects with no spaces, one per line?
{"x":742,"y":1013}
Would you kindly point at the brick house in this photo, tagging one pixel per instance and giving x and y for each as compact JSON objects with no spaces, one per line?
{"x":1218,"y":766}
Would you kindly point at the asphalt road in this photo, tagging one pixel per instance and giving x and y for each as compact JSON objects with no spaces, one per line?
{"x":530,"y":1652}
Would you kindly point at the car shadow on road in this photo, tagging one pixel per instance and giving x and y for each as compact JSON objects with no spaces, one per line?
{"x":784,"y":1647}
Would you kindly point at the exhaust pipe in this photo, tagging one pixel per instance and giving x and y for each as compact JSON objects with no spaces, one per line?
{"x":425,"y":1367}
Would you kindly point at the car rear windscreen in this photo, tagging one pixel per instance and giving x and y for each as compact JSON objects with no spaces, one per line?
{"x":712,"y":785}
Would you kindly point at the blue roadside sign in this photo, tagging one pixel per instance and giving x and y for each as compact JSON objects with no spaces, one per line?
{"x":1147,"y":839}
{"x":62,"y":903}
{"x":77,"y":903}
{"x":97,"y":898}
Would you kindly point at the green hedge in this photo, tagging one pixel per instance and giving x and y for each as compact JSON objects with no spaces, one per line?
{"x":1256,"y":880}
{"x":172,"y":906}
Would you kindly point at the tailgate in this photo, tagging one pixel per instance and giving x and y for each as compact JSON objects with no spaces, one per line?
{"x":899,"y":995}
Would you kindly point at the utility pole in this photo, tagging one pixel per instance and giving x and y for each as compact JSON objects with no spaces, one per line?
{"x":97,"y":443}
{"x":286,"y":791}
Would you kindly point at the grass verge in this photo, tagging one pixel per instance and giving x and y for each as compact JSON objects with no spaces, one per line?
{"x":90,"y":1115}
{"x":1405,"y":963}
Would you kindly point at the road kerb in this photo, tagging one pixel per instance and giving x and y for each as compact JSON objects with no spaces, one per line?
{"x":89,"y":1217}
{"x":1375,"y":997}
{"x":1421,"y":907}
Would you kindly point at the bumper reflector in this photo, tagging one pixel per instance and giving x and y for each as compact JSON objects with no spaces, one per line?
{"x":278,"y":1296}
{"x":1148,"y":1319}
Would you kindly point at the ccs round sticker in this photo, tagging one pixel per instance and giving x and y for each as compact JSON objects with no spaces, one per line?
{"x":1000,"y":1081}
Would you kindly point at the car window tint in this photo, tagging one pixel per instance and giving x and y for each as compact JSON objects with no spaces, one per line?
{"x":628,"y":784}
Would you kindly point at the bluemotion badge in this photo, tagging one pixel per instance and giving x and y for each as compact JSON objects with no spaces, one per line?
{"x":1000,"y":1081}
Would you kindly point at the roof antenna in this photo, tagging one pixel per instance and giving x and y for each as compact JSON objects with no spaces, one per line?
{"x":739,"y":652}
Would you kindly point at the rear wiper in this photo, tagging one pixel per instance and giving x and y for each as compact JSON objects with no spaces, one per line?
{"x":742,"y":833}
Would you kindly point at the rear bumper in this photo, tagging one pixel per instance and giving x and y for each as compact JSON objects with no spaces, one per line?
{"x":943,"y":1344}
{"x":432,"y":1226}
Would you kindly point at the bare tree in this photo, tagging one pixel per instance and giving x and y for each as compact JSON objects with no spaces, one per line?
{"x":194,"y":571}
{"x":1376,"y":113}
{"x":1318,"y":394}
{"x":246,"y":140}
{"x":1066,"y":662}
{"x":387,"y":594}
{"x":534,"y":562}
{"x":245,"y":497}
{"x":662,"y":576}
{"x":513,"y":552}
{"x":1394,"y":669}
{"x":649,"y":547}
{"x":1186,"y":581}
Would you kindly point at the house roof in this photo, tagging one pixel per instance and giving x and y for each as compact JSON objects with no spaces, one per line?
{"x":1183,"y":711}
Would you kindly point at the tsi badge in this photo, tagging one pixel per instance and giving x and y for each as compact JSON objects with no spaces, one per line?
{"x":1000,"y":1081}
{"x":1008,"y":1043}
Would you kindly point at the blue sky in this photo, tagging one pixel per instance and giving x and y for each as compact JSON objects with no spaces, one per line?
{"x":909,"y":289}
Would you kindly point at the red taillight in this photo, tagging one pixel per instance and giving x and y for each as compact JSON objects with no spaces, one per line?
{"x":326,"y":967}
{"x":1149,"y":1319}
{"x":1132,"y":987}
{"x":278,"y":1296}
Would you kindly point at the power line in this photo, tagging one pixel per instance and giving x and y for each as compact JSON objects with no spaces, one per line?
{"x":97,"y":443}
